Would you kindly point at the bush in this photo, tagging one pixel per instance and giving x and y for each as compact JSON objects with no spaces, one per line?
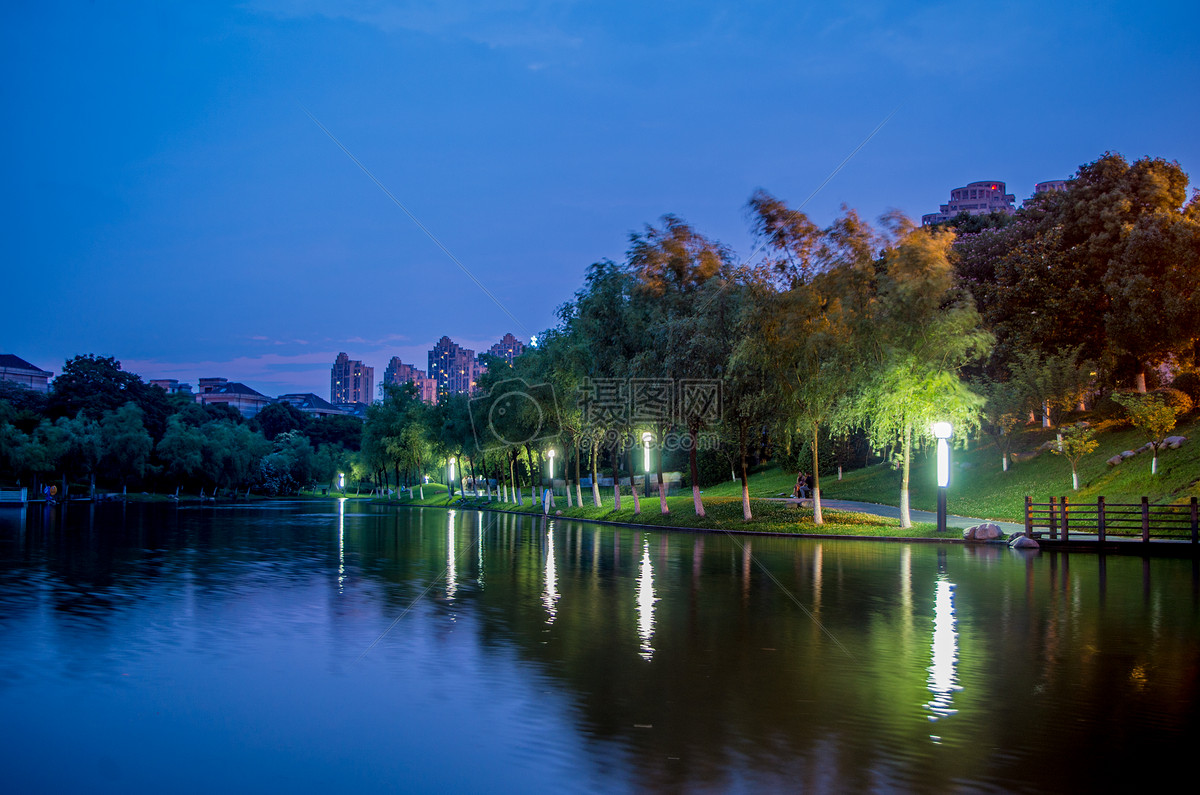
{"x":1188,"y":383}
{"x":1176,"y":399}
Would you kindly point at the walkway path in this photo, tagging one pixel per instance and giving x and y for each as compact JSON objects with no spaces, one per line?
{"x":892,"y":512}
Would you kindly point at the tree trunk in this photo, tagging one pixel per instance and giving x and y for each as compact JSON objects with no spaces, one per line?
{"x":1140,"y":380}
{"x":662,"y":489}
{"x":616,"y":461}
{"x":746,"y":515}
{"x":595,"y":479}
{"x":1074,"y":479}
{"x":695,"y":473}
{"x":905,"y":516}
{"x":1003,"y":461}
{"x":637,"y":503}
{"x":578,"y":492}
{"x":512,"y":471}
{"x":818,"y":518}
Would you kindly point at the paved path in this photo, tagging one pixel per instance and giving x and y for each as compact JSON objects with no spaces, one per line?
{"x":892,"y":512}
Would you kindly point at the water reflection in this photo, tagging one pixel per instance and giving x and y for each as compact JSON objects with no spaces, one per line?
{"x":662,"y":671}
{"x":341,"y":543}
{"x":451,"y":571}
{"x":943,"y":680}
{"x":645,"y":603}
{"x":550,"y":575}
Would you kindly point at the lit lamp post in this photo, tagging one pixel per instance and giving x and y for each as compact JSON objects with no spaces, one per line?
{"x":342,"y":482}
{"x":550,"y":455}
{"x":450,"y":483}
{"x":942,"y":431}
{"x":647,"y":437}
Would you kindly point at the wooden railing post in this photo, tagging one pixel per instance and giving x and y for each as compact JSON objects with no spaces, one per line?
{"x":1029,"y":518}
{"x":1145,"y":519}
{"x":1100,"y":518}
{"x":1195,"y":522}
{"x":1066,"y":522}
{"x":1053,"y":520}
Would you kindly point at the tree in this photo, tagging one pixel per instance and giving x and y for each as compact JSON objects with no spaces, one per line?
{"x":1151,"y":414}
{"x":1003,"y":411}
{"x":277,"y":418}
{"x":918,"y":335}
{"x":1076,"y":442}
{"x":680,"y":275}
{"x":1051,"y":382}
{"x":127,"y":443}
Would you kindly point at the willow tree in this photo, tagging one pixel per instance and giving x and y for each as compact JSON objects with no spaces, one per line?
{"x":806,"y":326}
{"x":919,"y":333}
{"x":681,"y":275}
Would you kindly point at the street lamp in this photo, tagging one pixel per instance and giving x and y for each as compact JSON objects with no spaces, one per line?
{"x":342,"y":482}
{"x":647,"y":437}
{"x":550,"y":454}
{"x":942,"y":431}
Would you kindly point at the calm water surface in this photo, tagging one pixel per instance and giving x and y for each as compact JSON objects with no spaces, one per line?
{"x":350,"y":647}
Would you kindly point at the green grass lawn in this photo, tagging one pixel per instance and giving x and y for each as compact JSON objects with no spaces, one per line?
{"x":979,"y":487}
{"x":983,"y":489}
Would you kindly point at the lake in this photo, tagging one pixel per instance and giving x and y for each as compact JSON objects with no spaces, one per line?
{"x":344,"y":646}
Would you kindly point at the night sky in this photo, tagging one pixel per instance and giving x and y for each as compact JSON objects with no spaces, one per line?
{"x":169,"y":201}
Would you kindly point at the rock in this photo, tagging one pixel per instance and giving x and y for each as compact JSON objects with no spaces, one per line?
{"x":1021,"y":541}
{"x":558,"y":513}
{"x":1019,"y":457}
{"x":982,"y":532}
{"x":1128,"y":454}
{"x":1116,"y":459}
{"x":1174,"y":442}
{"x":1049,"y":445}
{"x":1147,"y":447}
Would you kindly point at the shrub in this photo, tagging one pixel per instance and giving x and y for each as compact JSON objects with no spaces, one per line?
{"x":1188,"y":382}
{"x":1176,"y":399}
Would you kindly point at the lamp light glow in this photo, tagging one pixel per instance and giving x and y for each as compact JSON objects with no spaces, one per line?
{"x":647,"y":437}
{"x":550,"y":454}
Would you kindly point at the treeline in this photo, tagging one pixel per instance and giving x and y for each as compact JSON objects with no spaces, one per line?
{"x":102,"y":423}
{"x":846,"y":331}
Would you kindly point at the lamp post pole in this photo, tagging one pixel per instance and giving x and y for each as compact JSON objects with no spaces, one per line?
{"x":942,"y":431}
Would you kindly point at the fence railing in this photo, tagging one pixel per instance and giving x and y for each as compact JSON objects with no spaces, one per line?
{"x":1061,"y":518}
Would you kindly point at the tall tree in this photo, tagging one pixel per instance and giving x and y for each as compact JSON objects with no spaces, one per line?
{"x":923,"y":329}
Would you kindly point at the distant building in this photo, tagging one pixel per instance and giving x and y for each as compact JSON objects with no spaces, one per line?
{"x":397,"y":372}
{"x":215,"y":391}
{"x":351,"y":381}
{"x":311,"y":404}
{"x":172,"y":386}
{"x":453,"y":368}
{"x":19,"y":371}
{"x":353,"y":409}
{"x":508,"y":348}
{"x":1052,"y":185}
{"x":976,"y":198}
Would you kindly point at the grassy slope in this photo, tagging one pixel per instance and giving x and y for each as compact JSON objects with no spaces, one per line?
{"x":985,"y":490}
{"x":982,"y":489}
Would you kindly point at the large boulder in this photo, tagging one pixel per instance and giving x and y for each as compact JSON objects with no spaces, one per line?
{"x":982,"y":532}
{"x":1128,"y":454}
{"x":1174,"y":442}
{"x":1022,"y":541}
{"x":1116,"y":459}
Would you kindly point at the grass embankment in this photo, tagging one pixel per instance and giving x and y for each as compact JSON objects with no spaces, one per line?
{"x":979,"y":487}
{"x":723,"y":512}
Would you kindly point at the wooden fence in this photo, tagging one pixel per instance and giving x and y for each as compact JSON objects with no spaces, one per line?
{"x":1061,"y":518}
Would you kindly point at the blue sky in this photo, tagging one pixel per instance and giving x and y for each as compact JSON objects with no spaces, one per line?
{"x":169,"y":201}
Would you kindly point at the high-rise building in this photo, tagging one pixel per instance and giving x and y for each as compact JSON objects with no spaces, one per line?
{"x":976,"y":198}
{"x":397,"y":372}
{"x":351,"y":381}
{"x":453,"y":368}
{"x":508,"y":348}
